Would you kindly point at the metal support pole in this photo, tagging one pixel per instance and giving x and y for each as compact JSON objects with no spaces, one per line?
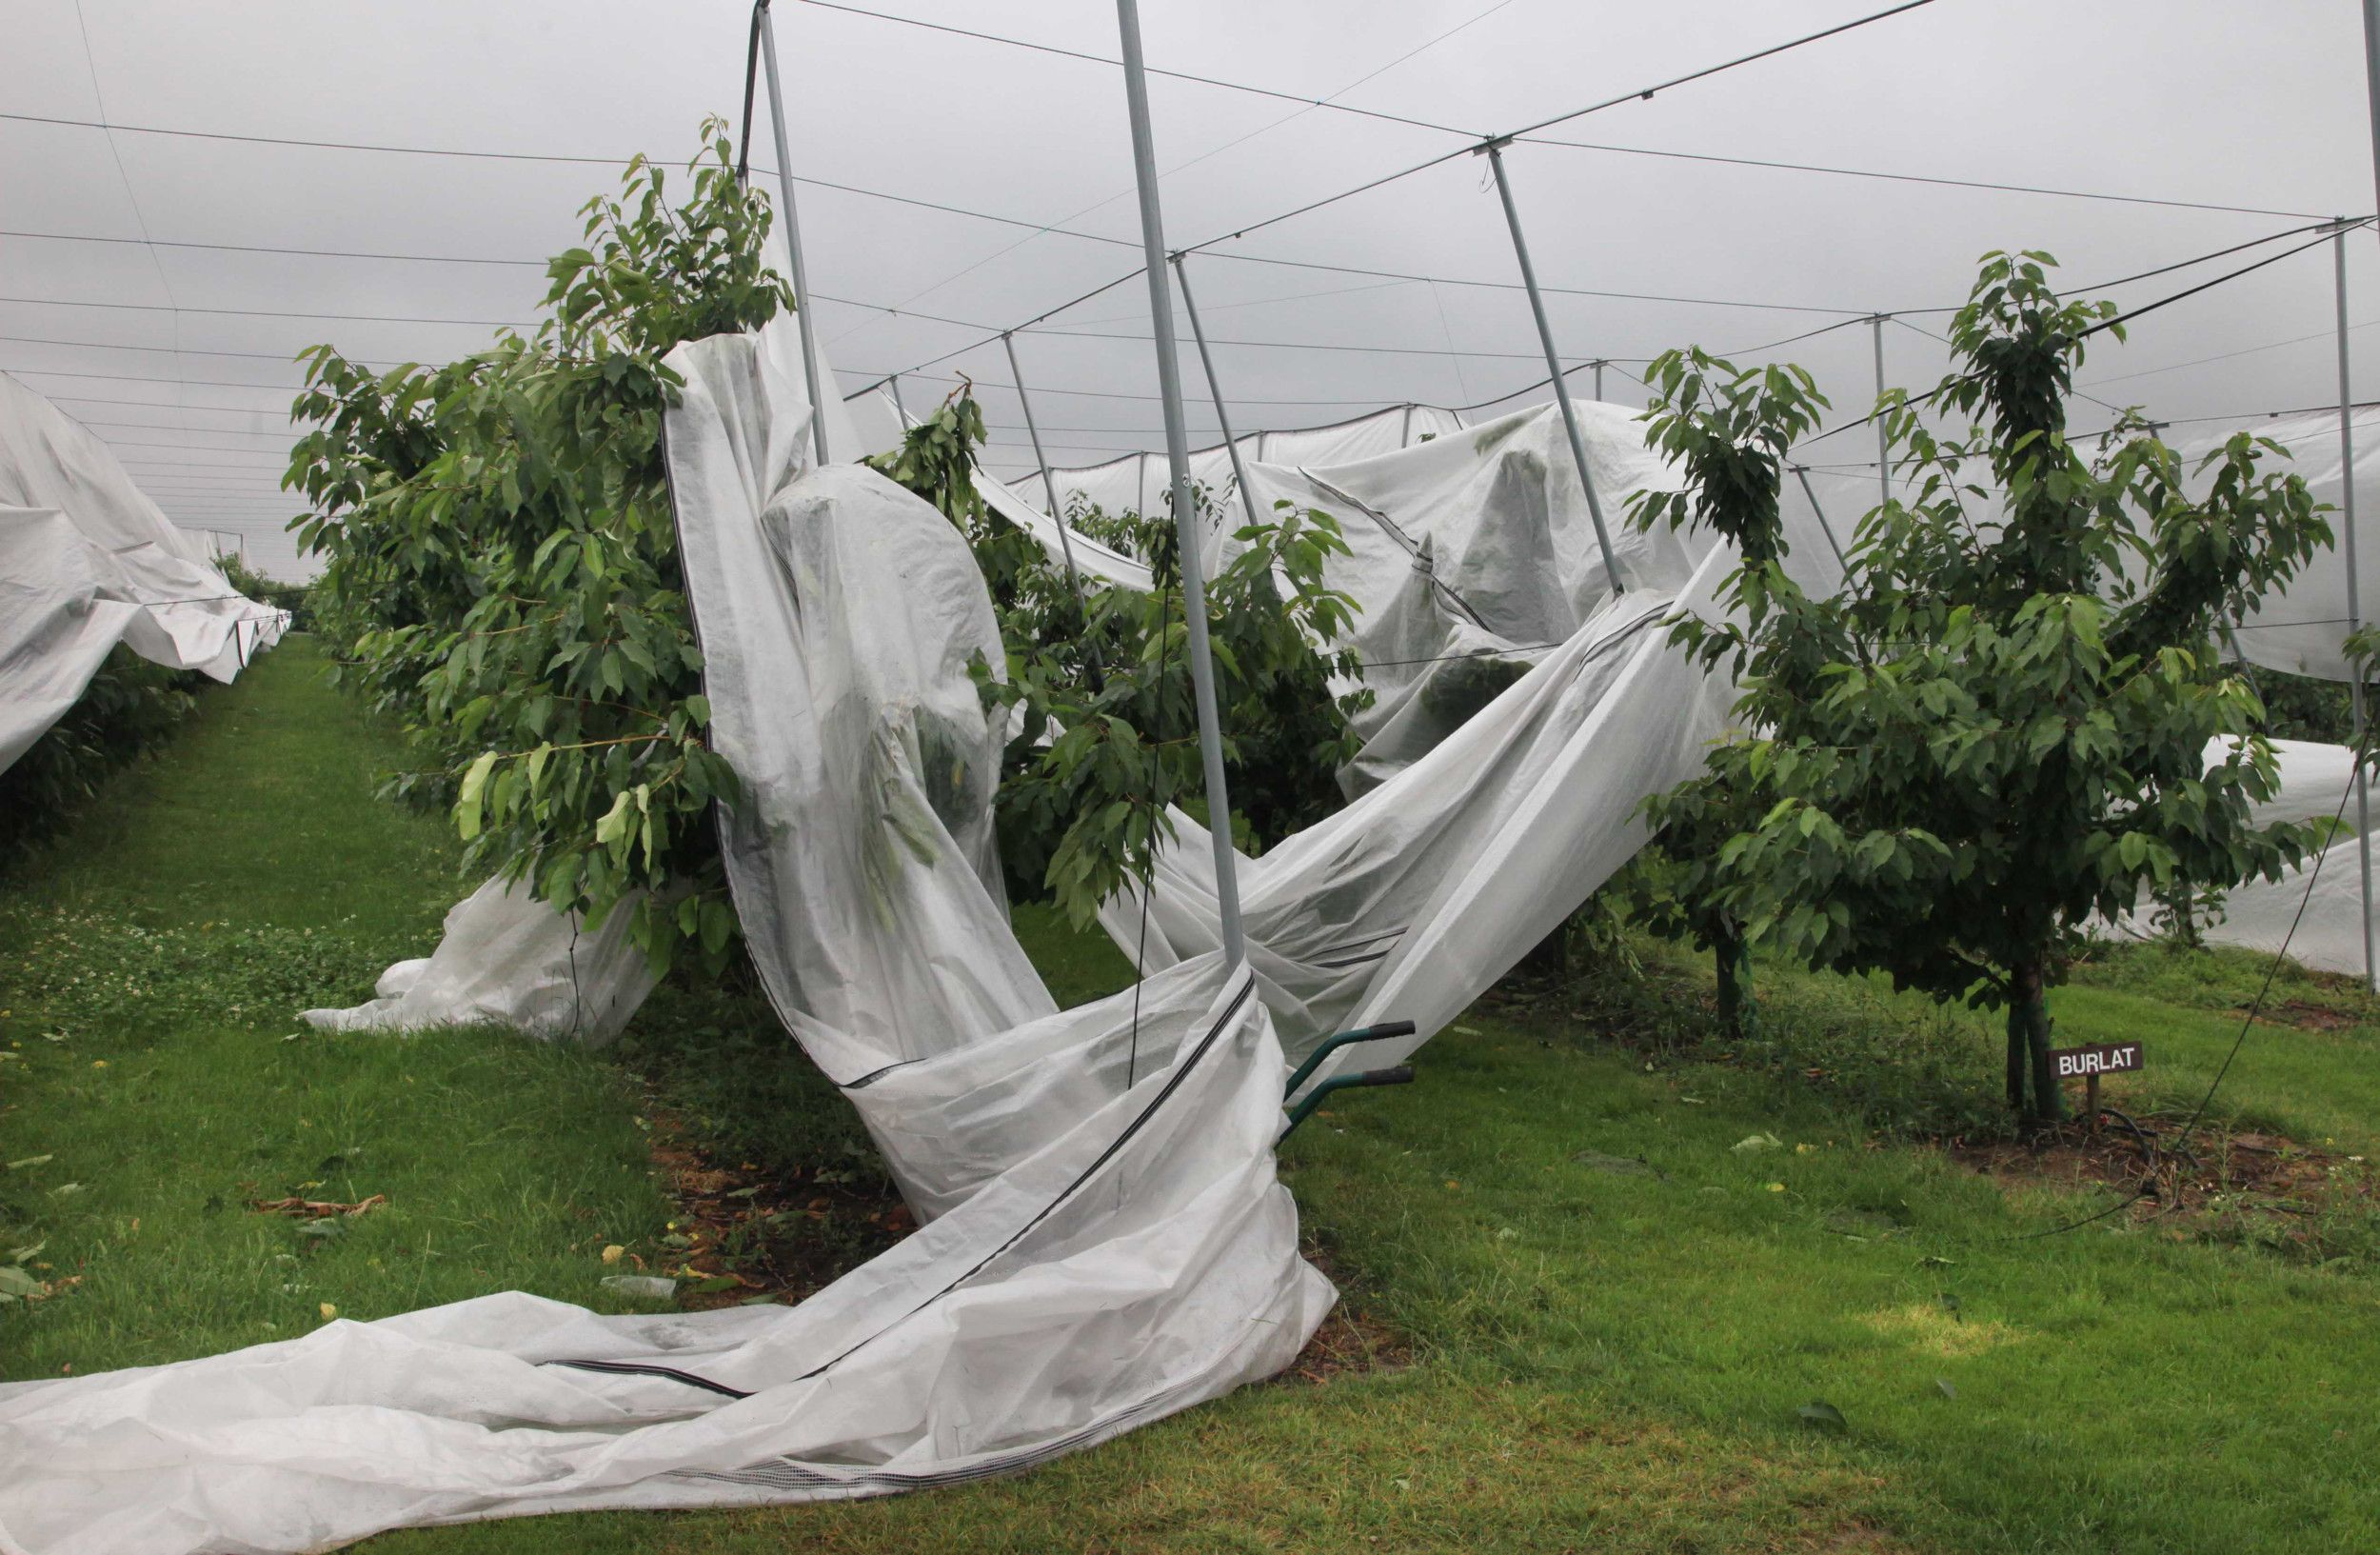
{"x":2354,"y":612}
{"x":1178,"y":456}
{"x":1554,"y":362}
{"x":2371,"y":82}
{"x":1214,"y":390}
{"x":793,"y":233}
{"x":1599,"y":365}
{"x":1883,"y":442}
{"x":894,"y":384}
{"x":1049,"y":488}
{"x":1802,"y":474}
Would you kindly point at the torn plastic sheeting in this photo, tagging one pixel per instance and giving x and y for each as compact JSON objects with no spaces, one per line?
{"x":1109,"y":1252}
{"x":1413,"y":899}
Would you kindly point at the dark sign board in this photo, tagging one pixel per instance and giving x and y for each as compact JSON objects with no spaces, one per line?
{"x":2102,"y":1058}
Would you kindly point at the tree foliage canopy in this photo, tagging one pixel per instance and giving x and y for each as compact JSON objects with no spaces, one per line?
{"x":501,"y":574}
{"x":1999,"y":727}
{"x":502,"y":567}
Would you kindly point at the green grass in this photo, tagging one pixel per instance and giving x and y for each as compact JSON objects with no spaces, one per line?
{"x":1615,"y":1317}
{"x":154,"y":958}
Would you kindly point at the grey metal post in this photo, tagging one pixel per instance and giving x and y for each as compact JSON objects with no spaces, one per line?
{"x":1049,"y":488}
{"x":1178,"y":456}
{"x":1554,"y":362}
{"x":1802,"y":474}
{"x":2354,"y":610}
{"x":2371,"y":82}
{"x":1215,"y":389}
{"x":793,"y":234}
{"x":1599,"y":365}
{"x":894,"y":384}
{"x":1883,"y":443}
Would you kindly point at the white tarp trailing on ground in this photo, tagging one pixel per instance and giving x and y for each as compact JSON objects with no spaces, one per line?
{"x":87,"y":560}
{"x":1105,"y":1239}
{"x":505,"y":958}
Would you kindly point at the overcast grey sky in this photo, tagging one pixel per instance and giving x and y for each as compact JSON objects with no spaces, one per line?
{"x":2255,"y":105}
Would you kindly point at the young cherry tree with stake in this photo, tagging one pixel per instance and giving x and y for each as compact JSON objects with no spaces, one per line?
{"x":1998,"y":729}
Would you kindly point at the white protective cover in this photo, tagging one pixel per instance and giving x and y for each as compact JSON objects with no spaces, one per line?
{"x":1111,"y":1243}
{"x":1138,"y":482}
{"x":1471,"y":556}
{"x":505,"y":958}
{"x":87,"y":560}
{"x":1472,"y":548}
{"x":1105,"y":1239}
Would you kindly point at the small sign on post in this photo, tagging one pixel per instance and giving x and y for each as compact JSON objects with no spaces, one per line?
{"x":2090,"y":1063}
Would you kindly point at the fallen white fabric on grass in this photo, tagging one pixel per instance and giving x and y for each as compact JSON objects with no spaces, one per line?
{"x":1103,"y":1239}
{"x":1111,"y":1248}
{"x":505,"y":958}
{"x":1140,"y":1259}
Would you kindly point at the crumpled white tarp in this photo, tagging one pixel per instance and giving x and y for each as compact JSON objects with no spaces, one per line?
{"x":1412,"y":900}
{"x":1105,"y":1239}
{"x":1111,"y":1245}
{"x":1471,"y":557}
{"x":1138,"y":482}
{"x":87,"y":560}
{"x":505,"y":958}
{"x":1472,"y":550}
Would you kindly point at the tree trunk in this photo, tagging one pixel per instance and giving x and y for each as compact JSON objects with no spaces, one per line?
{"x":2019,"y":1045}
{"x":2028,"y":1049}
{"x":1550,"y":956}
{"x":1739,"y":1007}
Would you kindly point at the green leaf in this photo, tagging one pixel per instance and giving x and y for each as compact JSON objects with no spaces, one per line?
{"x":467,"y":806}
{"x":1821,"y":1415}
{"x":613,"y":827}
